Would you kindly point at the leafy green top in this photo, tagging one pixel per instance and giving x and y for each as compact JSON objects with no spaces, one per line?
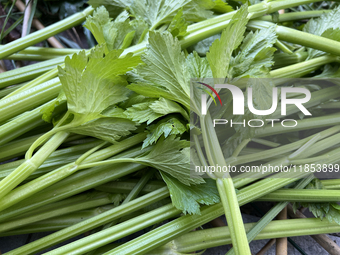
{"x":328,"y":25}
{"x":188,"y":198}
{"x":220,"y":52}
{"x":172,"y":156}
{"x":330,"y":211}
{"x":90,"y":88}
{"x":165,"y":72}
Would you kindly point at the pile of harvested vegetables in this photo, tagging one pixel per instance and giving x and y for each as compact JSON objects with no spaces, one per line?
{"x":102,"y":141}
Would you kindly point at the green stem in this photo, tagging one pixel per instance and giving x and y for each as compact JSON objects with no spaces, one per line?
{"x":29,"y":166}
{"x":291,"y":16}
{"x":330,"y":105}
{"x":19,"y":147}
{"x":16,"y":148}
{"x":45,"y":33}
{"x":25,"y":122}
{"x":138,"y":187}
{"x":41,"y":183}
{"x":29,"y":99}
{"x":127,"y":186}
{"x":255,"y":11}
{"x":74,"y":184}
{"x":271,"y":214}
{"x":240,"y":147}
{"x":280,"y":150}
{"x":331,"y":184}
{"x":133,"y":194}
{"x":283,"y":47}
{"x":304,"y":195}
{"x":48,"y":134}
{"x":93,"y":222}
{"x":50,"y":51}
{"x":301,"y":69}
{"x":88,"y":201}
{"x":57,"y":159}
{"x":29,"y":72}
{"x":305,"y":124}
{"x":31,"y":57}
{"x":233,"y":215}
{"x":6,"y":91}
{"x":321,"y":145}
{"x":243,"y":179}
{"x":108,"y":162}
{"x":59,"y":222}
{"x":265,"y":142}
{"x":226,"y":188}
{"x":284,"y":59}
{"x":207,"y":28}
{"x":114,"y":233}
{"x":304,"y":147}
{"x":184,"y":224}
{"x":317,"y":97}
{"x":208,"y":238}
{"x":201,"y":156}
{"x":299,"y":37}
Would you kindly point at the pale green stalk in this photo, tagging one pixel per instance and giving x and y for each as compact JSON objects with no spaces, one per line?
{"x":208,"y":238}
{"x":29,"y":99}
{"x":92,"y":223}
{"x":291,"y":16}
{"x":164,"y":234}
{"x":43,"y":34}
{"x":39,"y":184}
{"x":304,"y":195}
{"x":133,"y":194}
{"x":87,"y":202}
{"x":128,"y":185}
{"x":58,"y":223}
{"x":30,"y":165}
{"x":271,"y":214}
{"x":299,"y":37}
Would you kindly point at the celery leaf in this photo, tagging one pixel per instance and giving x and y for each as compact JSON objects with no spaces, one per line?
{"x":90,"y":88}
{"x":142,"y":112}
{"x":152,"y":109}
{"x":220,"y":52}
{"x":166,"y":127}
{"x":107,"y":129}
{"x":327,"y":26}
{"x":222,"y":7}
{"x":178,"y":25}
{"x":189,"y":198}
{"x":198,"y":67}
{"x":117,"y":34}
{"x":48,"y":110}
{"x":172,"y":156}
{"x":256,"y":54}
{"x":165,"y":71}
{"x":330,"y":211}
{"x":165,"y":106}
{"x":114,"y":7}
{"x":141,"y":29}
{"x":157,"y":13}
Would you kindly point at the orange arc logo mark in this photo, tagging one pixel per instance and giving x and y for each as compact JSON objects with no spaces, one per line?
{"x":213,"y":90}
